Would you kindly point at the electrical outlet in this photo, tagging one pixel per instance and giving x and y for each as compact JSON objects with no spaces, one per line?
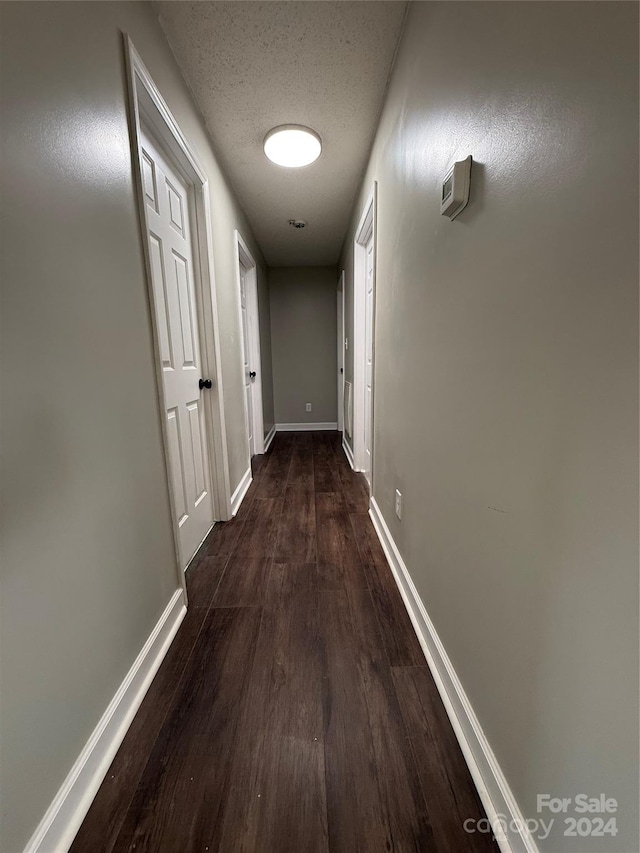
{"x":398,"y":504}
{"x":308,"y":407}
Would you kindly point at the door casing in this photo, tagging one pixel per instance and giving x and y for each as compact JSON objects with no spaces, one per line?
{"x":366,"y":230}
{"x":146,"y":104}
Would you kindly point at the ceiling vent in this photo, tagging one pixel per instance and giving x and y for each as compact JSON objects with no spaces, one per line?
{"x":297,"y":223}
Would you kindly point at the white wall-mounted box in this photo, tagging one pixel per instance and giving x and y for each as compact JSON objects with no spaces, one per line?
{"x":455,"y":188}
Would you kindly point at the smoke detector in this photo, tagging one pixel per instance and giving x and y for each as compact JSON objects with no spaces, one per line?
{"x":298,"y":223}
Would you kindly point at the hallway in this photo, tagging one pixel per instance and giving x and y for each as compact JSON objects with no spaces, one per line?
{"x":294,"y":710}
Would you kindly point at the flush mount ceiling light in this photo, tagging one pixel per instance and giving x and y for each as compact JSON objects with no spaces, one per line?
{"x":292,"y":145}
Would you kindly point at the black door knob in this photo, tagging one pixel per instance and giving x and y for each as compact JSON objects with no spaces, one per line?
{"x":252,"y":374}
{"x":205,"y":383}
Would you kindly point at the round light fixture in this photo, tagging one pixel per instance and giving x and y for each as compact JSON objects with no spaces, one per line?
{"x":292,"y":145}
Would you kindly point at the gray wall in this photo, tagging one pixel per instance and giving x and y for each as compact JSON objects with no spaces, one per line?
{"x":304,"y":342}
{"x":506,"y":377}
{"x":87,"y":551}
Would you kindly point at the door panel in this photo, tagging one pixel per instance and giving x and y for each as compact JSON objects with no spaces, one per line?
{"x":149,"y":181}
{"x":176,"y":215}
{"x":195,"y":428}
{"x":177,"y":468}
{"x":185,"y":295}
{"x":166,"y":197}
{"x":159,"y":287}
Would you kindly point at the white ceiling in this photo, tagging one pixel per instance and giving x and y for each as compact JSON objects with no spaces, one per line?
{"x":254,"y":65}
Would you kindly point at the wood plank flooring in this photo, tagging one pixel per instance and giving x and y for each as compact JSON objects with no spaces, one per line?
{"x":294,"y":712}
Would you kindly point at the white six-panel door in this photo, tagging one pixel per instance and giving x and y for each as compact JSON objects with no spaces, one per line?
{"x":340,"y":310}
{"x":368,"y":368}
{"x":169,"y":234}
{"x":246,"y":357}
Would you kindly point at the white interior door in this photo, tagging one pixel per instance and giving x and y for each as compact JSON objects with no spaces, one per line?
{"x":169,"y":233}
{"x":246,"y":357}
{"x":368,"y":367}
{"x":340,"y":308}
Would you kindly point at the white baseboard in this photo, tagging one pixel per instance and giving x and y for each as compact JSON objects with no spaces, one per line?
{"x":348,"y":452}
{"x":306,"y":427}
{"x":241,"y":490}
{"x":494,"y":791}
{"x":269,"y":438}
{"x":64,"y":816}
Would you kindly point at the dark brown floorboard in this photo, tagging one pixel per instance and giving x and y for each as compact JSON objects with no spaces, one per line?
{"x":203,"y":578}
{"x":338,"y":558}
{"x":326,"y":477}
{"x":300,"y":473}
{"x":180,"y":798}
{"x":273,"y":475}
{"x":323,"y":452}
{"x":294,"y":712}
{"x":297,"y":527}
{"x":278,"y":800}
{"x":401,"y":643}
{"x":260,"y":529}
{"x":222,"y":540}
{"x":244,"y":581}
{"x":354,"y":486}
{"x":443,"y":771}
{"x":102,"y":825}
{"x":368,"y":809}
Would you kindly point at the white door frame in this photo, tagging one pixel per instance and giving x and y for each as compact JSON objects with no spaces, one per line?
{"x":366,"y":227}
{"x":340,"y":310}
{"x":244,"y":257}
{"x":146,"y":104}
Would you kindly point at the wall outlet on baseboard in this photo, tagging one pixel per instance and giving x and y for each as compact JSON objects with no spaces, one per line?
{"x":308,"y":407}
{"x":398,"y":504}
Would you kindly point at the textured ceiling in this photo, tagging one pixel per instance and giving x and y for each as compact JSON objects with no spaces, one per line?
{"x":254,"y":65}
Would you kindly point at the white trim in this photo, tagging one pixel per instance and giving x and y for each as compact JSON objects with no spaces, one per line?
{"x":493,"y":788}
{"x":348,"y":452}
{"x":367,"y":227}
{"x":238,"y":496}
{"x":271,"y":435}
{"x":64,"y":816}
{"x":306,"y":427}
{"x":244,"y":257}
{"x":146,"y":101}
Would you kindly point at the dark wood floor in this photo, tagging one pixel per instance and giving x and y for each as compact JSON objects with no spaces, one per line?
{"x":294,"y":710}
